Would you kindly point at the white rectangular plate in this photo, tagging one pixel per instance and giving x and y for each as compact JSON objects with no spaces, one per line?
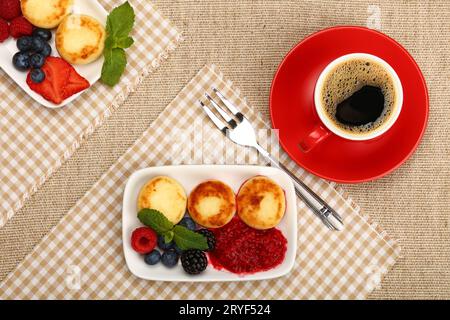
{"x":91,"y":71}
{"x":189,"y":176}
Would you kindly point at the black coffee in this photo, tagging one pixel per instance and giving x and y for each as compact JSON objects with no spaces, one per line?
{"x":364,"y":106}
{"x":358,"y":95}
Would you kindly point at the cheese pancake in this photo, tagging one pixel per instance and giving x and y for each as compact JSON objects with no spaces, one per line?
{"x":80,"y":39}
{"x":212,"y":204}
{"x":46,"y":14}
{"x":261,"y":203}
{"x":165,"y":195}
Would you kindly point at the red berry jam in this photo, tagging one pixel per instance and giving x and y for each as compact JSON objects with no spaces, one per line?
{"x":241,"y":249}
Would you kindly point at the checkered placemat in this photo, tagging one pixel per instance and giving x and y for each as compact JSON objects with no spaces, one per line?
{"x":82,"y":256}
{"x":35,"y":141}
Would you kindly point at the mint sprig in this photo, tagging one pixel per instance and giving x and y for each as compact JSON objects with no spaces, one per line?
{"x":156,"y":220}
{"x":184,"y":238}
{"x":120,"y":21}
{"x":118,"y":27}
{"x":168,"y":236}
{"x":187,"y":239}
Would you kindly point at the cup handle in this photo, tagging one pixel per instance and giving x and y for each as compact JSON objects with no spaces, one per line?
{"x":313,"y":138}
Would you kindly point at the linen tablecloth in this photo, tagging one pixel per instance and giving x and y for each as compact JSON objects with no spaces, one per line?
{"x":82,"y":256}
{"x":35,"y":141}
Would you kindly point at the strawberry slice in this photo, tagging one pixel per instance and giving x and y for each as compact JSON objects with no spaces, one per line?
{"x":61,"y":81}
{"x":75,"y":84}
{"x":57,"y":72}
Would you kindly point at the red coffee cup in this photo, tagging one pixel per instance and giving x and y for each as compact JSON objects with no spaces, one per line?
{"x":326,"y":126}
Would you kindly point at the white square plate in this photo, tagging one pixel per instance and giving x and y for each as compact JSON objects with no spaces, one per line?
{"x":189,"y":176}
{"x":91,"y":71}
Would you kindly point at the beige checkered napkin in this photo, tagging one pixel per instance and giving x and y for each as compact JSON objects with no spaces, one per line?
{"x":87,"y":242}
{"x":35,"y":140}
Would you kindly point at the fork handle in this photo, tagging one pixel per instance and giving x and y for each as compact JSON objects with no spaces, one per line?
{"x":327,"y":214}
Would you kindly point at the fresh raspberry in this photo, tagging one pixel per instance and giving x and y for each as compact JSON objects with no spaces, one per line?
{"x":143,"y":240}
{"x":4,"y":30}
{"x":10,"y":9}
{"x":20,"y":27}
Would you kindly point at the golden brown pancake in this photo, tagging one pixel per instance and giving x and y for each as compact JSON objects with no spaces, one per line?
{"x":80,"y":39}
{"x":212,"y":204}
{"x":261,"y":203}
{"x":165,"y":195}
{"x":46,"y":13}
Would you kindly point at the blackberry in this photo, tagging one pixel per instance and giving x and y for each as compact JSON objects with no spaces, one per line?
{"x":209,"y":237}
{"x":194,"y":261}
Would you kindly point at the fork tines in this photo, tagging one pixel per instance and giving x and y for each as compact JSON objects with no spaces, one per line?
{"x":230,"y":122}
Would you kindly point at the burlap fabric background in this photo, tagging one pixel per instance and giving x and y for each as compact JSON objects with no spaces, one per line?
{"x":248,"y":39}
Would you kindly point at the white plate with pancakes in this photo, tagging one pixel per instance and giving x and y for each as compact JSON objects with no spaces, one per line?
{"x":189,"y":177}
{"x":90,"y":71}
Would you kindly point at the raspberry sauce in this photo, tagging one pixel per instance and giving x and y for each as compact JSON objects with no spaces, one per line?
{"x":241,"y":249}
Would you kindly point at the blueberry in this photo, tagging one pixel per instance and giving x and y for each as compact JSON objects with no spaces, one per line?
{"x":21,"y":61}
{"x":37,"y":44}
{"x":153,"y":257}
{"x":44,"y":34}
{"x":170,"y":258}
{"x":37,"y":60}
{"x":37,"y":75}
{"x":177,"y":250}
{"x":163,"y":245}
{"x":188,"y":223}
{"x":47,"y":50}
{"x":24,"y":43}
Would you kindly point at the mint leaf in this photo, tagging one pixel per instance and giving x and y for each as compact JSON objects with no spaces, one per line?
{"x":109,"y":45}
{"x":168,"y":237}
{"x":112,"y":43}
{"x":124,"y":42}
{"x":156,"y":220}
{"x":120,"y":21}
{"x":118,"y":27}
{"x":114,"y":66}
{"x":186,"y":239}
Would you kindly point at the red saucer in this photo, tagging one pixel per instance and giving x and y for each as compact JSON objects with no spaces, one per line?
{"x":337,"y":159}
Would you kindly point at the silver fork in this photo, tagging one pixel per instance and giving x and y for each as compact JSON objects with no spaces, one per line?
{"x":240,"y":131}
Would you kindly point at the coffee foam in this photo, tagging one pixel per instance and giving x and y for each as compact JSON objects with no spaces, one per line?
{"x":347,"y":78}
